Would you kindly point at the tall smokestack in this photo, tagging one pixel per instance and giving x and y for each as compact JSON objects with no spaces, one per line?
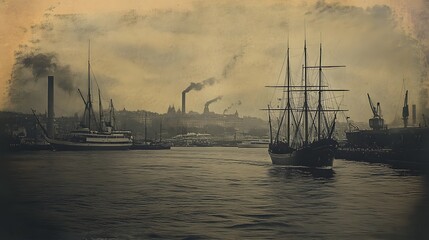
{"x":196,"y":87}
{"x":206,"y":106}
{"x":183,"y":102}
{"x":51,"y":106}
{"x":414,"y":114}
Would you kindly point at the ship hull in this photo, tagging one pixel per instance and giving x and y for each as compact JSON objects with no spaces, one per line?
{"x":77,"y":146}
{"x":404,"y":158}
{"x":259,"y":145}
{"x":316,"y":155}
{"x":150,"y":147}
{"x":411,"y":137}
{"x":404,"y":147}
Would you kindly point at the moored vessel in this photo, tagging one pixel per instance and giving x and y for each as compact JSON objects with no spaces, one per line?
{"x":406,"y":146}
{"x":149,"y":144}
{"x":94,"y":132}
{"x":307,"y":139}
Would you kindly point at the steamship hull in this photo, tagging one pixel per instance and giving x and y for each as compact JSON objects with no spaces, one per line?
{"x":154,"y":146}
{"x":404,"y":158}
{"x":61,"y":145}
{"x":406,"y":138}
{"x":402,"y":147}
{"x":319,"y":154}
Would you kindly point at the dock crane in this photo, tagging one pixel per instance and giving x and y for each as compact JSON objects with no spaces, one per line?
{"x":405,"y":112}
{"x":377,"y":121}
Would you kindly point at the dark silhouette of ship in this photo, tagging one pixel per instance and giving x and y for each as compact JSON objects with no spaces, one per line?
{"x":403,"y":146}
{"x":308,"y":131}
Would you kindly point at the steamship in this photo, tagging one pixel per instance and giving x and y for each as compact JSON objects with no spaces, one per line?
{"x":94,"y":133}
{"x":304,"y":135}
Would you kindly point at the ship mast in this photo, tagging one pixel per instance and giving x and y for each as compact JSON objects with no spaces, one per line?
{"x":405,"y":112}
{"x":271,"y":128}
{"x":160,"y":130}
{"x":319,"y":107}
{"x":145,"y":127}
{"x":305,"y":95}
{"x":288,"y":95}
{"x":112,"y":115}
{"x":89,"y":102}
{"x":100,"y":109}
{"x":286,"y":108}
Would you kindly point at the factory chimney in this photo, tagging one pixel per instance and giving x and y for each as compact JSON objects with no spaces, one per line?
{"x":184,"y":102}
{"x":414,"y":115}
{"x":51,"y":114}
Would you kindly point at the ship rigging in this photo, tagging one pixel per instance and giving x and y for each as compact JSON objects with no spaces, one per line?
{"x":308,"y":140}
{"x":93,"y":133}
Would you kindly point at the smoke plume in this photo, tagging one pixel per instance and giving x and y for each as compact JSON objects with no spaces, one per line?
{"x":420,"y":16}
{"x":29,"y":68}
{"x":200,"y":85}
{"x":213,"y":100}
{"x":137,"y":51}
{"x":238,"y":103}
{"x":228,"y":68}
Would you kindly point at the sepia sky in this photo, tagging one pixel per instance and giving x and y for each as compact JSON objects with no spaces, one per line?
{"x":145,"y":53}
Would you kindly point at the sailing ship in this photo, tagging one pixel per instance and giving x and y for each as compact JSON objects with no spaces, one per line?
{"x":308,"y":132}
{"x":150,"y":144}
{"x":92,"y":133}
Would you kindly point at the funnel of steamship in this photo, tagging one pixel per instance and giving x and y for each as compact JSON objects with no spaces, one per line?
{"x":95,"y":131}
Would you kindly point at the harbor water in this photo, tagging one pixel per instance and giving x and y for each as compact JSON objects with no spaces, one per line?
{"x":205,"y":193}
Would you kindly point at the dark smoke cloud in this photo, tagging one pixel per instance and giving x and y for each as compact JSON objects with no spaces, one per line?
{"x":131,"y":18}
{"x":213,"y":100}
{"x":421,"y":32}
{"x":238,"y":103}
{"x":200,"y":85}
{"x":140,"y":52}
{"x":42,"y":65}
{"x":27,"y":89}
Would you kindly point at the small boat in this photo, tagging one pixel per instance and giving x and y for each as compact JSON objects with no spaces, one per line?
{"x":307,"y":139}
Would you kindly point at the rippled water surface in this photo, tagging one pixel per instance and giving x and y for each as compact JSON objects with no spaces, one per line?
{"x":199,"y":193}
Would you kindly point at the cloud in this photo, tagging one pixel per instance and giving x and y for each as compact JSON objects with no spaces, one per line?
{"x":29,"y":77}
{"x":144,"y":58}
